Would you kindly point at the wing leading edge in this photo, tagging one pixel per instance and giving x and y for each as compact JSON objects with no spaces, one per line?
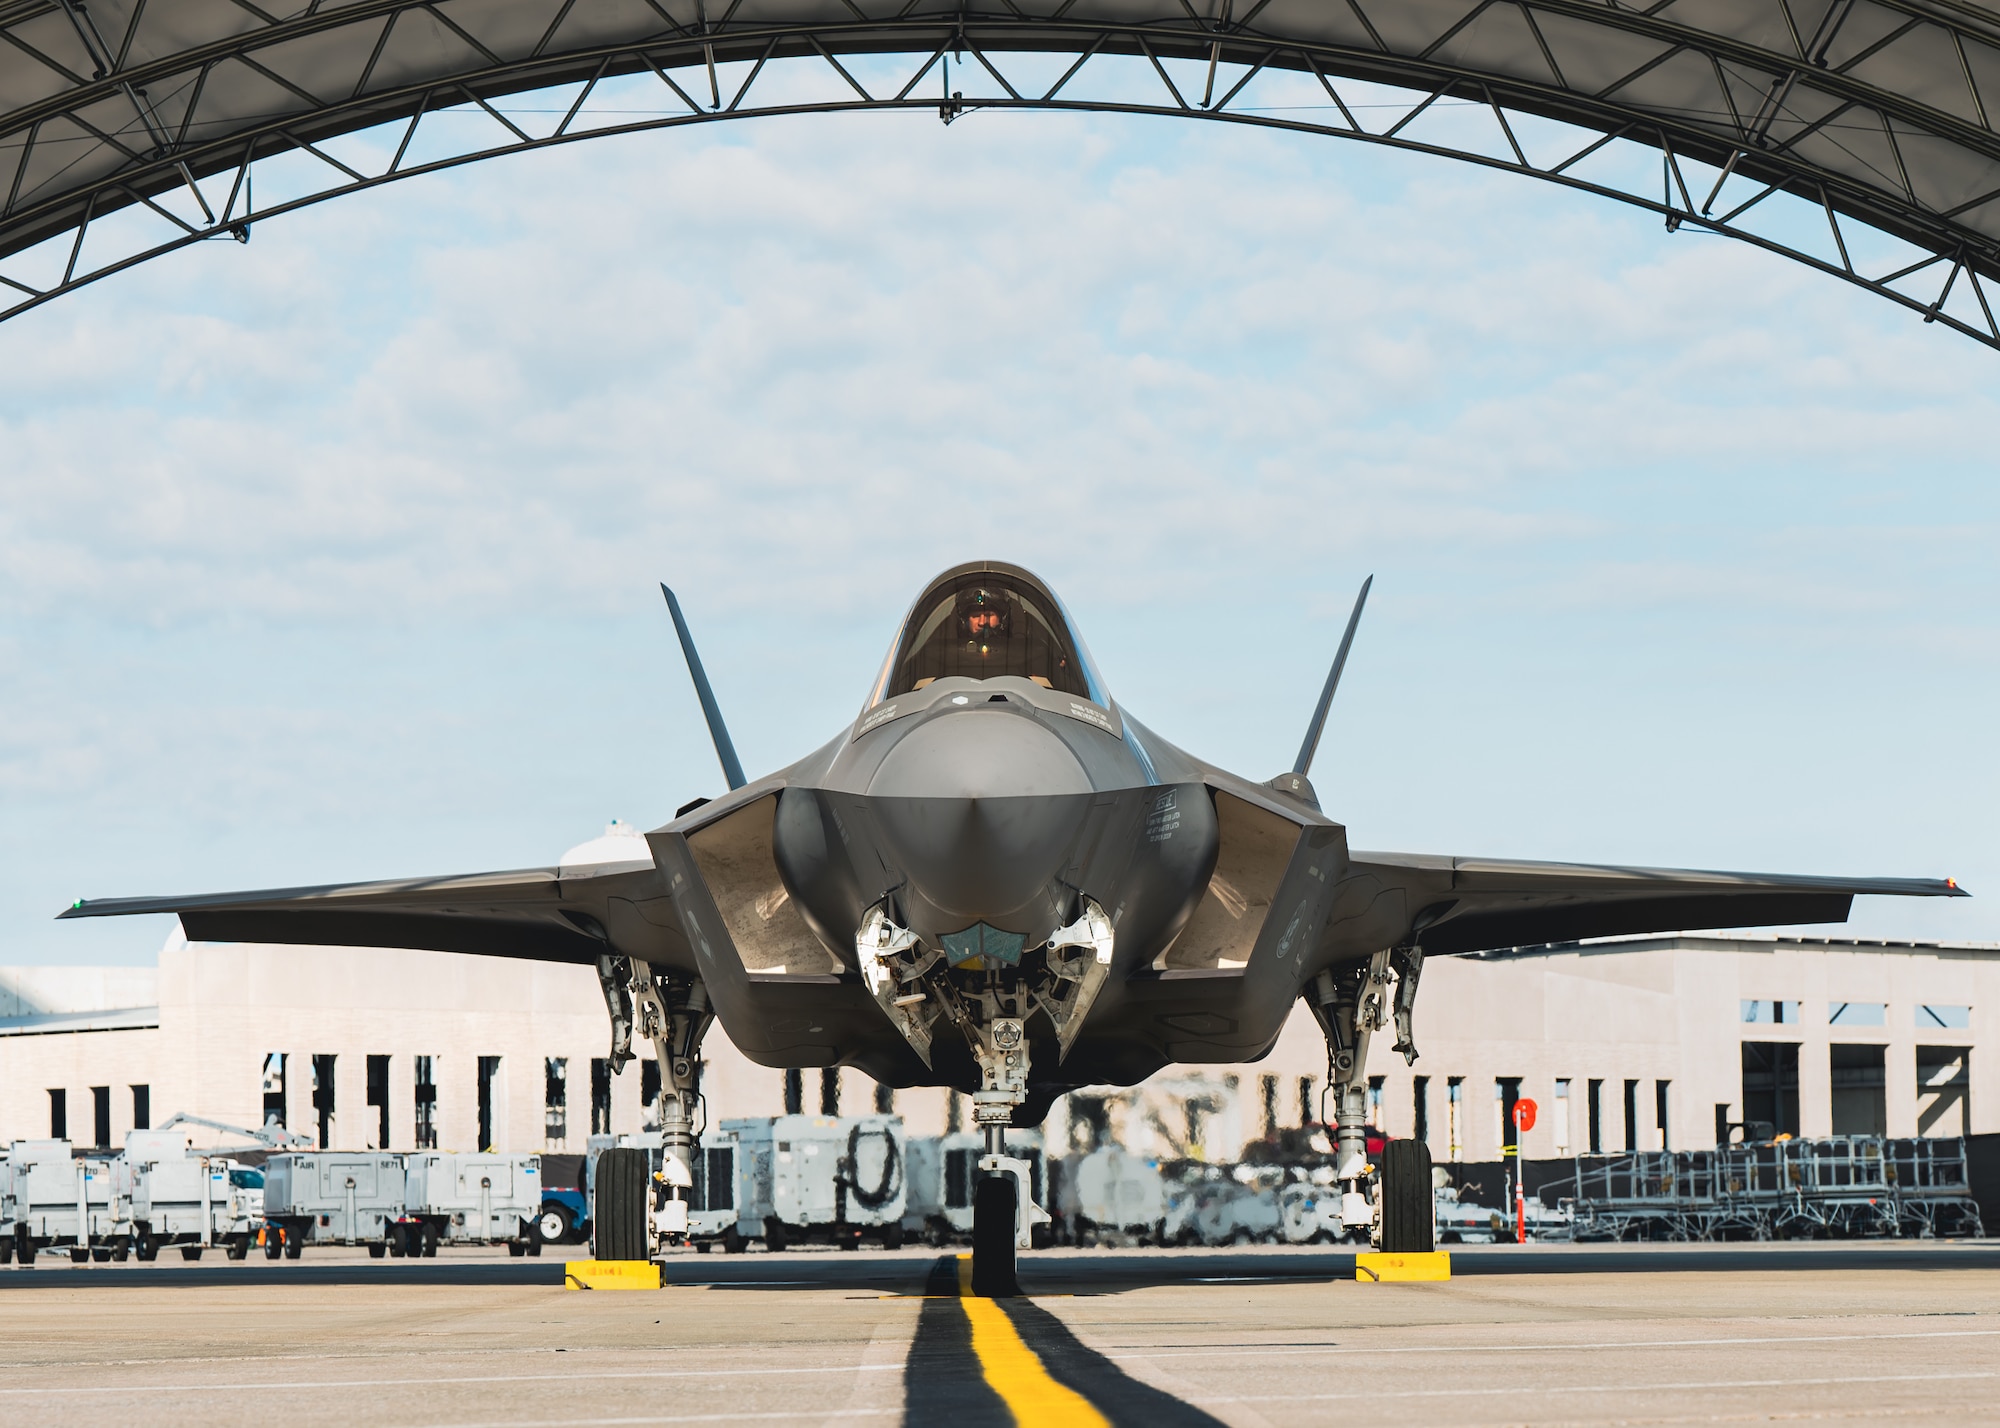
{"x":535,"y":913}
{"x":1459,"y":905}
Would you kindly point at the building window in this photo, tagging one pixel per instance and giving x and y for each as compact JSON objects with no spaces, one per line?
{"x":274,"y":1089}
{"x":1267,"y":1088}
{"x":1770,"y":1089}
{"x":1860,"y":1089}
{"x":600,"y":1095}
{"x":555,"y":1102}
{"x":1507,"y":1095}
{"x":426,"y":1099}
{"x":1594,"y":1110}
{"x":1307,"y":1102}
{"x":142,"y":1108}
{"x":829,"y":1091}
{"x":1661,"y":1095}
{"x":1857,"y":1014}
{"x":489,"y":1093}
{"x":1775,"y":1013}
{"x":1944,"y":1084}
{"x":323,"y":1099}
{"x":1631,"y":1115}
{"x":58,"y":1114}
{"x":649,"y":1092}
{"x":885,"y":1099}
{"x":1420,"y":1109}
{"x":1375,"y":1084}
{"x":1454,"y":1118}
{"x":100,"y":1116}
{"x":1562,"y":1115}
{"x":954,"y":1111}
{"x":1954,"y":1018}
{"x":795,"y":1092}
{"x":378,"y":1099}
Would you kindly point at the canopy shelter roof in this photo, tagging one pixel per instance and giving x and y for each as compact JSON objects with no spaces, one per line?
{"x":1810,"y":127}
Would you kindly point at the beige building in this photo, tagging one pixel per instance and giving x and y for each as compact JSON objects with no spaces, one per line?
{"x":1632,"y":1043}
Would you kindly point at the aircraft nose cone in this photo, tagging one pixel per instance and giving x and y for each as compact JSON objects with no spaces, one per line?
{"x":979,"y":810}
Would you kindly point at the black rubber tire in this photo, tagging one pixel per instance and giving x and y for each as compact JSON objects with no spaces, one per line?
{"x":238,"y":1247}
{"x":1409,"y":1218}
{"x":430,"y":1237}
{"x":775,"y":1236}
{"x":274,"y":1242}
{"x":993,"y":1214}
{"x":188,"y":1252}
{"x":6,"y":1249}
{"x":619,"y":1211}
{"x":554,"y":1225}
{"x":24,"y":1248}
{"x":534,"y":1249}
{"x":145,"y":1248}
{"x":892,"y":1236}
{"x":378,"y":1250}
{"x":295,"y":1240}
{"x":733,"y":1241}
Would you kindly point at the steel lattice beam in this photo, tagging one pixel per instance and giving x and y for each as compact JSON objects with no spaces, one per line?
{"x":1874,"y":112}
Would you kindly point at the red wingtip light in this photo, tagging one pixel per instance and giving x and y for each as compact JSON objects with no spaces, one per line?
{"x":1951,"y":882}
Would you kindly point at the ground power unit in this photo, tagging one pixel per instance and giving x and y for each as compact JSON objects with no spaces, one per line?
{"x":55,"y":1200}
{"x":820,"y":1179}
{"x":189,"y":1201}
{"x":331,"y":1197}
{"x":463,"y":1198}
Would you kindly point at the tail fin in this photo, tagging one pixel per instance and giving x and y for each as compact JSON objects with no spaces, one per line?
{"x":1311,"y":745}
{"x":724,"y":749}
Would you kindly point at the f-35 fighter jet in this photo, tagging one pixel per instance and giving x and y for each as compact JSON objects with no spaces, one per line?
{"x":997,"y":879}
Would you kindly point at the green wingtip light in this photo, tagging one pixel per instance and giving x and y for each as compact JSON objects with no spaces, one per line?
{"x":78,"y":903}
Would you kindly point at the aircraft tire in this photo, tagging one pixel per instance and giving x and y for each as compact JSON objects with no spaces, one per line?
{"x":993,"y":1215}
{"x":1408,"y":1217}
{"x":620,"y":1212}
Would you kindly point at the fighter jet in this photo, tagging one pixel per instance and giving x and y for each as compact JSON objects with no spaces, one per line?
{"x":997,"y":879}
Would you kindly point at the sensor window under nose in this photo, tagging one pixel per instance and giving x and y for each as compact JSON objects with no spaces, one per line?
{"x":983,"y":945}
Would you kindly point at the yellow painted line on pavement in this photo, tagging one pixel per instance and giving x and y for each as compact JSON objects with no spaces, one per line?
{"x":1013,"y":1370}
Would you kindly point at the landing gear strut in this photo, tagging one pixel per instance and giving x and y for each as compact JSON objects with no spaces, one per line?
{"x":1351,"y":1002}
{"x":673,"y":1013}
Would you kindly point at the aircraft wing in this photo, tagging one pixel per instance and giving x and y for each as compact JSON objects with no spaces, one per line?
{"x":536,"y":913}
{"x":1457,"y":905}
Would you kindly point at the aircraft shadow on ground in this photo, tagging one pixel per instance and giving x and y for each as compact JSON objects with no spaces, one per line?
{"x":944,"y":1380}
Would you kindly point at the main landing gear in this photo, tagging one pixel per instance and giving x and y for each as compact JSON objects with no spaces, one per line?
{"x":1351,"y":1002}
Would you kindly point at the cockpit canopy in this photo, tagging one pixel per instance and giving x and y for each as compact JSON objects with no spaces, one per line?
{"x":983,"y":621}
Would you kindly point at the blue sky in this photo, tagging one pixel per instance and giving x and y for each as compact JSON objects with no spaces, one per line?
{"x":335,"y":555}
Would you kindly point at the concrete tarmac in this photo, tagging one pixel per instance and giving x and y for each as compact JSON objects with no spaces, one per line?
{"x":1520,"y":1335}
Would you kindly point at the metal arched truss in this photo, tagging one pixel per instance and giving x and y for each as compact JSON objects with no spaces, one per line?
{"x":1851,"y":135}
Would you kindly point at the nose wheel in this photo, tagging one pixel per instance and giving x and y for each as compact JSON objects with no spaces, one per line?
{"x":994,"y":1213}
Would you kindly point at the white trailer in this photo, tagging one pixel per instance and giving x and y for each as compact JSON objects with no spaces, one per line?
{"x":191,"y":1201}
{"x":58,"y":1201}
{"x":331,"y":1197}
{"x":835,"y":1179}
{"x":462,"y":1198}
